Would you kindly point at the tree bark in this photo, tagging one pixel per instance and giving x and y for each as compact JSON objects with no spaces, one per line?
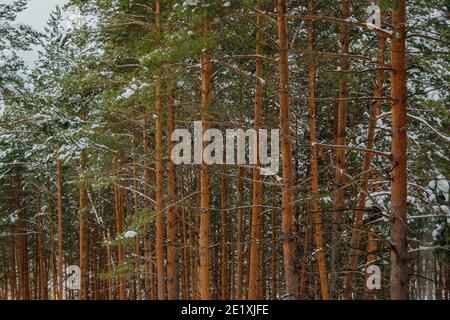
{"x":172,"y":224}
{"x":60,"y":228}
{"x":84,"y":256}
{"x":359,"y":214}
{"x":51,"y":213}
{"x":399,"y":267}
{"x":205,"y":183}
{"x":286,"y":157}
{"x":257,"y":187}
{"x":240,"y":236}
{"x":340,"y":179}
{"x":315,"y":208}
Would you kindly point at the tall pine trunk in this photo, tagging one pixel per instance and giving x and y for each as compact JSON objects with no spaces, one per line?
{"x":315,"y":208}
{"x":257,"y":187}
{"x":286,"y":157}
{"x":399,"y":267}
{"x":340,"y":165}
{"x":60,"y":228}
{"x":51,"y":217}
{"x":159,"y":181}
{"x":84,"y":256}
{"x":172,"y":225}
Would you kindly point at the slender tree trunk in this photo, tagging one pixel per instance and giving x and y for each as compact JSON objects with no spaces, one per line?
{"x":110,"y":267}
{"x":43,"y":277}
{"x":304,"y":275}
{"x":225,"y":294}
{"x":60,"y":228}
{"x":172,"y":225}
{"x":205,"y":183}
{"x":147,"y":205}
{"x":257,"y":187}
{"x":316,"y":213}
{"x":340,"y":179}
{"x":13,"y":274}
{"x":399,"y":267}
{"x":137,"y":244}
{"x":51,"y":213}
{"x":359,"y":215}
{"x":22,"y":245}
{"x":84,"y":255}
{"x":240,"y":236}
{"x":286,"y":157}
{"x":274,"y":252}
{"x":159,"y":174}
{"x":184,"y":233}
{"x":119,"y":208}
{"x":96,"y":260}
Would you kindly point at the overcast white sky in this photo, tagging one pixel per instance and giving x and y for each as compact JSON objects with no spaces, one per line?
{"x":38,"y":12}
{"x":36,"y":15}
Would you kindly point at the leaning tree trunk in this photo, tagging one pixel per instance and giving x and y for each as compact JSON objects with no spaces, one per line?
{"x":366,"y":172}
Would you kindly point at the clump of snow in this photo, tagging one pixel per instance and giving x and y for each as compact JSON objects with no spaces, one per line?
{"x":2,"y":108}
{"x":437,"y":232}
{"x":439,"y":186}
{"x":190,"y":3}
{"x":327,"y":199}
{"x":442,"y":184}
{"x":130,"y":234}
{"x":131,"y":89}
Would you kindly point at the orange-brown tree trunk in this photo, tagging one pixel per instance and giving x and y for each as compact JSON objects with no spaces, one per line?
{"x":43,"y":277}
{"x":257,"y":187}
{"x":286,"y":157}
{"x":137,"y":244}
{"x":205,"y":183}
{"x":240,"y":236}
{"x":315,"y":208}
{"x":51,"y":214}
{"x":60,"y":228}
{"x":359,"y":215}
{"x":172,"y":227}
{"x":159,"y":179}
{"x":22,"y":242}
{"x":119,"y":208}
{"x":225,"y":294}
{"x":147,"y":224}
{"x":340,"y":179}
{"x":399,"y":267}
{"x":84,"y":255}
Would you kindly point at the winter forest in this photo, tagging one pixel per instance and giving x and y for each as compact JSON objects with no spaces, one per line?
{"x":93,"y":205}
